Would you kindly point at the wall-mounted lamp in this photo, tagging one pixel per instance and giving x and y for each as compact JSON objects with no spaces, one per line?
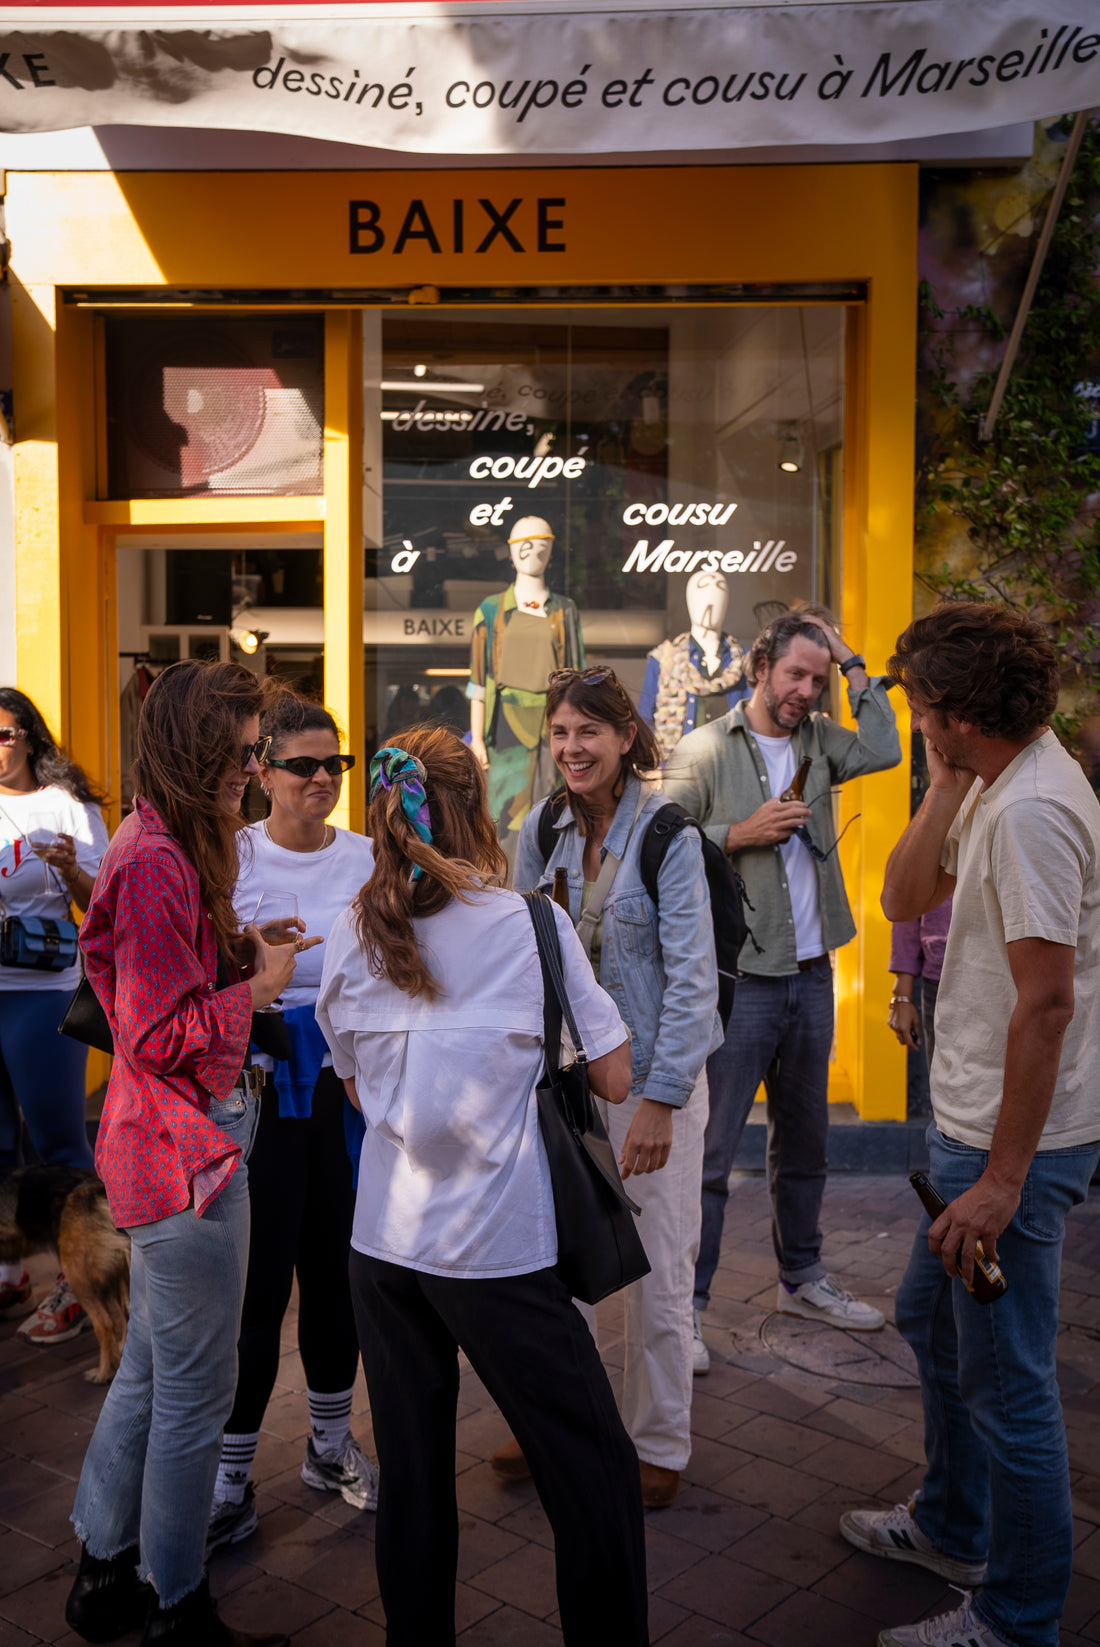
{"x":791,"y":451}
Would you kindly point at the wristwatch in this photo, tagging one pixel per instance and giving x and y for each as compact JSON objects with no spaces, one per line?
{"x":854,"y":662}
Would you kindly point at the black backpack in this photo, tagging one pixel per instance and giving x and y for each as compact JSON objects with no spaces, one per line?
{"x":728,"y":899}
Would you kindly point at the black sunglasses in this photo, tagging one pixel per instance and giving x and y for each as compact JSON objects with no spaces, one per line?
{"x":259,"y":749}
{"x":306,"y":766}
{"x":803,"y":834}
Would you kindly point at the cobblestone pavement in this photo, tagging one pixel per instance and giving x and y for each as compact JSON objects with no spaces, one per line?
{"x":749,"y":1553}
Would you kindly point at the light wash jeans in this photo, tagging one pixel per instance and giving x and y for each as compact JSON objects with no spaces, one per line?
{"x":997,"y":1482}
{"x":149,"y":1472}
{"x":780,"y":1032}
{"x":657,"y":1370}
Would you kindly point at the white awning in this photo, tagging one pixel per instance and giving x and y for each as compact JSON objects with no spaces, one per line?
{"x":536,"y":77}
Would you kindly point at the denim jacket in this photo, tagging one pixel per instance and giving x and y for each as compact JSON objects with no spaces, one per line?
{"x":656,"y":963}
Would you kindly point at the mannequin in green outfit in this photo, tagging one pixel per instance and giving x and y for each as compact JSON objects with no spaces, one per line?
{"x":520,"y":637}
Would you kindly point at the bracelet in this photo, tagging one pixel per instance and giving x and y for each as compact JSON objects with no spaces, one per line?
{"x":901,"y":1000}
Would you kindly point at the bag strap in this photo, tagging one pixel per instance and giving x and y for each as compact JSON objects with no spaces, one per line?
{"x":555,"y":998}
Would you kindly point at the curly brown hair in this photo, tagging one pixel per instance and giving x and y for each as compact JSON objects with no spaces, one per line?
{"x":981,"y":662}
{"x":189,"y":734}
{"x":464,"y":856}
{"x":774,"y":641}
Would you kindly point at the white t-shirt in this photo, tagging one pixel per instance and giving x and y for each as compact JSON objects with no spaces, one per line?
{"x":324,"y":884}
{"x":28,"y":886}
{"x":1026,"y":852}
{"x":798,"y":864}
{"x":453,"y":1178}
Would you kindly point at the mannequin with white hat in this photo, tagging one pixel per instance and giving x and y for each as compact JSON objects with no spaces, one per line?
{"x":697,"y":676}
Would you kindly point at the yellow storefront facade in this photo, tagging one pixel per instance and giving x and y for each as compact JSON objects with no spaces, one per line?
{"x":659,"y":341}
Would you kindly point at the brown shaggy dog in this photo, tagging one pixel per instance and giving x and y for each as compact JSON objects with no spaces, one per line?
{"x":64,"y":1210}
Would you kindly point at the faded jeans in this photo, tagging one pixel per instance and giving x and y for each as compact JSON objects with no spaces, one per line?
{"x":781,"y":1033}
{"x":997,"y":1481}
{"x":149,"y":1472}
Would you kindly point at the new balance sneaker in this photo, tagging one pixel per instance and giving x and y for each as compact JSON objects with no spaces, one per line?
{"x":229,"y":1522}
{"x":894,"y":1535}
{"x":961,"y":1627}
{"x":346,"y":1471}
{"x":700,"y":1355}
{"x":59,"y":1316}
{"x":826,"y":1300}
{"x":16,"y":1296}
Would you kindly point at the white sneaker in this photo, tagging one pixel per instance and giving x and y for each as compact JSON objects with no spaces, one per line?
{"x":826,"y":1300}
{"x":347,"y":1471}
{"x":700,"y":1355}
{"x":894,"y":1535}
{"x":961,"y":1627}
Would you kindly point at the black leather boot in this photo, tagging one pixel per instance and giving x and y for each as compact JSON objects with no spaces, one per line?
{"x":107,"y":1599}
{"x":194,"y":1622}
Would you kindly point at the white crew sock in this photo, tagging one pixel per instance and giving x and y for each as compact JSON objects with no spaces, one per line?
{"x":235,"y":1467}
{"x":11,"y":1273}
{"x":330,"y":1416}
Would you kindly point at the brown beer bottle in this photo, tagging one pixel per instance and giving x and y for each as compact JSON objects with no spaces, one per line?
{"x":793,"y":791}
{"x":989,"y":1282}
{"x":560,"y":894}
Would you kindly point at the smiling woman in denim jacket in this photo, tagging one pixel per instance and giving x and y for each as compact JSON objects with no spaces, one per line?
{"x":657,"y":963}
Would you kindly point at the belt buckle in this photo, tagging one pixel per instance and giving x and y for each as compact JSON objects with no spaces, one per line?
{"x":251,"y":1081}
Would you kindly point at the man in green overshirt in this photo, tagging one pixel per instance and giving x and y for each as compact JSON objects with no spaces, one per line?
{"x":732,"y":775}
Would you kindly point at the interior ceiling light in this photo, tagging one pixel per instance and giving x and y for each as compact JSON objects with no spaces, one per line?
{"x":419,"y":371}
{"x":248,"y":640}
{"x":791,"y":451}
{"x":434,"y":386}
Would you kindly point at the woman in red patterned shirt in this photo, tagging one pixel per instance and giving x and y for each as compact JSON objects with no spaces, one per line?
{"x":162,"y":951}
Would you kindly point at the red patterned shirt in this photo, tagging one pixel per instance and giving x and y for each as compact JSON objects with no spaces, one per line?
{"x":151,"y":957}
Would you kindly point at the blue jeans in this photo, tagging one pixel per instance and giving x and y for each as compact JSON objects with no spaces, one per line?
{"x":997,"y":1482}
{"x":42,"y":1074}
{"x":780,"y":1032}
{"x":149,"y":1472}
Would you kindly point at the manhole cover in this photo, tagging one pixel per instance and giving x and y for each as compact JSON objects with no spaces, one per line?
{"x":882,"y":1358}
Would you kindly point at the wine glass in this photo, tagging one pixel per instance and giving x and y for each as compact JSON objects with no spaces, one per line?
{"x":275,"y":911}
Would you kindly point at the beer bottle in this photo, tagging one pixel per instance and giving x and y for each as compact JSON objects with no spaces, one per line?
{"x":560,"y":894}
{"x":989,"y":1282}
{"x":793,"y":791}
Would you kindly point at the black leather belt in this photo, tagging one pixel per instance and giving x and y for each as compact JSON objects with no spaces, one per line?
{"x":816,"y":960}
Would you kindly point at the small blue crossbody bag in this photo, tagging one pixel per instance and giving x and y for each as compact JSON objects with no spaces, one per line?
{"x":38,"y":942}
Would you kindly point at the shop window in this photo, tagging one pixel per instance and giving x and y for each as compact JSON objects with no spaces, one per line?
{"x":215,"y":406}
{"x":655,"y":444}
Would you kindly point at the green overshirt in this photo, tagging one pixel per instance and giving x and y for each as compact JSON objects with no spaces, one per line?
{"x":718,"y":774}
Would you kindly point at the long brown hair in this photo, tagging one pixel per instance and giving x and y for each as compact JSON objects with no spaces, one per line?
{"x":189,"y":734}
{"x":464,"y":856}
{"x":603,"y":699}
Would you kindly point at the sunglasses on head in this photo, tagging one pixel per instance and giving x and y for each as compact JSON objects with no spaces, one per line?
{"x":8,"y":735}
{"x":259,"y":749}
{"x":594,"y":675}
{"x":307,"y":766}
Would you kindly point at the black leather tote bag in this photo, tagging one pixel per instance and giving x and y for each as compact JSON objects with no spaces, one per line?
{"x":599,"y":1248}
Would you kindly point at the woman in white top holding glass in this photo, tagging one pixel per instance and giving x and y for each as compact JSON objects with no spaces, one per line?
{"x":299,"y":1173}
{"x":52,"y":836}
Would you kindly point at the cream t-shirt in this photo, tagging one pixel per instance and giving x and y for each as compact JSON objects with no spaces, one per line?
{"x":1026,"y":853}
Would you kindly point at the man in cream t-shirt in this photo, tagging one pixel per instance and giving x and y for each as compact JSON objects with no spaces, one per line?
{"x":1012,"y":827}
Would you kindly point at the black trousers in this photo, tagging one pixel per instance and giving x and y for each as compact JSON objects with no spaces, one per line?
{"x":533,"y":1352}
{"x":299,"y":1187}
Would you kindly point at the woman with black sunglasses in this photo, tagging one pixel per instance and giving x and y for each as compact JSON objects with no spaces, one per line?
{"x":299,"y":1177}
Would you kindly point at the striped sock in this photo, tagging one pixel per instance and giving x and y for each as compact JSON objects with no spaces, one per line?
{"x":235,"y":1467}
{"x":330,"y":1416}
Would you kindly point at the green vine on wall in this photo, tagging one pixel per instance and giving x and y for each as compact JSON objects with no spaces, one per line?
{"x":1018,"y":516}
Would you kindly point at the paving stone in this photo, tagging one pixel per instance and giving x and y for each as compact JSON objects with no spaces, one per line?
{"x":727,"y":1592}
{"x":803,"y":1617}
{"x":851,"y":1465}
{"x":340,"y":1629}
{"x":482,"y":1544}
{"x":523,"y":1580}
{"x":771,"y":1487}
{"x":795,"y":1553}
{"x":268,"y":1604}
{"x":22,"y":1560}
{"x":710,"y":1460}
{"x":889,"y":1592}
{"x":1082,"y":1603}
{"x":778,"y":1439}
{"x":507,"y":1627}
